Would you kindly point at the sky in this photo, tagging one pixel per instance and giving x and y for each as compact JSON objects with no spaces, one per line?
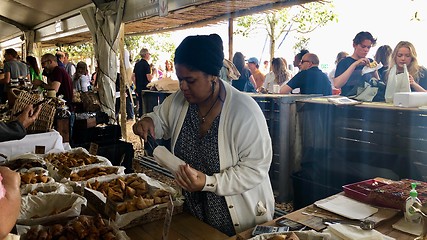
{"x":387,"y":20}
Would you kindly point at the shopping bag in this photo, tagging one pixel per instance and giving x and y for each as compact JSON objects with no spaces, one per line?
{"x":397,"y":83}
{"x":372,"y":91}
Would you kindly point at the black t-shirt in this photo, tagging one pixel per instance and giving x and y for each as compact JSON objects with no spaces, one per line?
{"x":142,"y":68}
{"x":355,"y":80}
{"x":311,"y":81}
{"x":243,"y":83}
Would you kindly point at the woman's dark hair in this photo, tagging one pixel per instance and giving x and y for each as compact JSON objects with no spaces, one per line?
{"x":80,"y":66}
{"x":362,"y":36}
{"x":32,"y":61}
{"x":239,"y":61}
{"x":383,"y":55}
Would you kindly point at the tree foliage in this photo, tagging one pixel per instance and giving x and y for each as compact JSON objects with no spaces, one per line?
{"x":278,"y":24}
{"x":156,"y":44}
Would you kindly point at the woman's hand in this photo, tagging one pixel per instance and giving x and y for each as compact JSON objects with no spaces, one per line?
{"x":415,"y":85}
{"x":411,"y":80}
{"x":190,"y":179}
{"x":143,"y":127}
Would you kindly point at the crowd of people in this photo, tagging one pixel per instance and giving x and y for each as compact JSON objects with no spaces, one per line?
{"x":225,"y":178}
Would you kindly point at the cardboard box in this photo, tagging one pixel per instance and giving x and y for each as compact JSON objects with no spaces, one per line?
{"x":410,"y":99}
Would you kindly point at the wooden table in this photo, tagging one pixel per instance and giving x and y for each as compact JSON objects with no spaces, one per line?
{"x":383,"y":227}
{"x":183,"y":226}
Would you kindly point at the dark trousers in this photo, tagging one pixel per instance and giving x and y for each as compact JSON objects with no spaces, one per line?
{"x":129,"y":109}
{"x":141,"y":105}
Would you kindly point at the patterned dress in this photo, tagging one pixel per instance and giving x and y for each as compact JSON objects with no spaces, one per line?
{"x":201,"y":153}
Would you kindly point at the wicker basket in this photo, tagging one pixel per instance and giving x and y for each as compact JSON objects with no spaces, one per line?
{"x":44,"y":121}
{"x":90,"y":101}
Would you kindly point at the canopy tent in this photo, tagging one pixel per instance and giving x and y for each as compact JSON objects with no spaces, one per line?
{"x":49,"y":23}
{"x":104,"y":23}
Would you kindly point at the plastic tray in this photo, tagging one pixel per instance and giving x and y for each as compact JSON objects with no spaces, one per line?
{"x":360,"y":190}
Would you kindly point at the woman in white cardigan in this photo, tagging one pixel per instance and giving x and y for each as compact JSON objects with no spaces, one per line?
{"x":222,"y":136}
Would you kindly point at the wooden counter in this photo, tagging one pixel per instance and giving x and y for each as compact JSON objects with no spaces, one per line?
{"x":314,"y":221}
{"x":183,"y":226}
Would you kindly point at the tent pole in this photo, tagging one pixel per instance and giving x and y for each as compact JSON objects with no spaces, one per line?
{"x":123,"y":76}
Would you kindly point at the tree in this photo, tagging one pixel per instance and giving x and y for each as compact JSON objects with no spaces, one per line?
{"x":156,"y":43}
{"x":279,"y":23}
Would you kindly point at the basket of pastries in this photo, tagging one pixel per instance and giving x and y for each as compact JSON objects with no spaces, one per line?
{"x":24,"y":162}
{"x":62,"y":164}
{"x":49,"y":208}
{"x":43,"y":188}
{"x":81,"y":227}
{"x":35,"y":175}
{"x":88,"y":172}
{"x":134,"y":199}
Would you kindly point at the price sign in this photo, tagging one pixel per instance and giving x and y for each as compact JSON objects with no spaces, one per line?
{"x":40,"y":150}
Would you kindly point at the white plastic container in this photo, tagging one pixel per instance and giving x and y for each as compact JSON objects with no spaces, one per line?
{"x":410,"y":99}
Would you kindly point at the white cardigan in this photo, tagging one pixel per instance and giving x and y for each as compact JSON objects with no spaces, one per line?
{"x":245,"y":154}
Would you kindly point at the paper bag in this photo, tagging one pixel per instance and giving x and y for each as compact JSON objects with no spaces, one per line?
{"x":397,"y":83}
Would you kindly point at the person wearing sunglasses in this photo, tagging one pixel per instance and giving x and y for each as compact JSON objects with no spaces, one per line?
{"x":57,"y":78}
{"x":310,"y":80}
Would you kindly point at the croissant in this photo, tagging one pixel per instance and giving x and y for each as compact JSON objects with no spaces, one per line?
{"x":109,"y":236}
{"x":27,"y":177}
{"x":57,"y":230}
{"x":161,"y":193}
{"x":121,"y":208}
{"x":115,"y":196}
{"x":75,"y":176}
{"x":130,"y":206}
{"x":42,"y":178}
{"x":80,"y":229}
{"x":43,"y":235}
{"x":130,"y":192}
{"x":121,"y":183}
{"x":140,"y":203}
{"x":157,"y":200}
{"x":149,"y":202}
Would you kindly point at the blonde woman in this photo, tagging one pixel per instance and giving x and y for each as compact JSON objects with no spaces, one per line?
{"x":278,"y":76}
{"x":404,"y":53}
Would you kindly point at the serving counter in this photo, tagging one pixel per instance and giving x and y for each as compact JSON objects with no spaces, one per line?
{"x":344,"y":144}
